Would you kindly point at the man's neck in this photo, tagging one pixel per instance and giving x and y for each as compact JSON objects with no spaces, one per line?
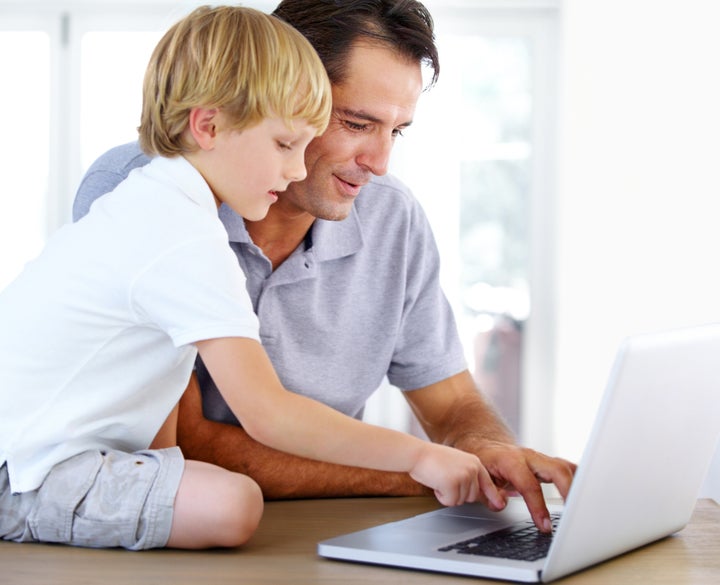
{"x":279,"y":233}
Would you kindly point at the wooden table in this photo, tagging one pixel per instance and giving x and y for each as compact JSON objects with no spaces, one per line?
{"x":284,"y":551}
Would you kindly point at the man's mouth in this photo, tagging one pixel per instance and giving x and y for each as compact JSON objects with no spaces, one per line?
{"x":348,"y":188}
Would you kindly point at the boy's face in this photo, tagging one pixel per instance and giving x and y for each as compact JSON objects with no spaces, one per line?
{"x":370,"y":109}
{"x":249,"y":167}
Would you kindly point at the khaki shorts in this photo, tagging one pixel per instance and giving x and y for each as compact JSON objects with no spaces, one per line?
{"x":97,"y":499}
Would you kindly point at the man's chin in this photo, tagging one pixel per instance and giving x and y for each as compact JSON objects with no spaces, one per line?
{"x":334,"y":213}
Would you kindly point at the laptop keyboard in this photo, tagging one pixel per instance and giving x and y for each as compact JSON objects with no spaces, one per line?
{"x":520,"y":542}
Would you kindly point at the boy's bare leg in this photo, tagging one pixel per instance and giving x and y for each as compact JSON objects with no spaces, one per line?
{"x":214,"y":508}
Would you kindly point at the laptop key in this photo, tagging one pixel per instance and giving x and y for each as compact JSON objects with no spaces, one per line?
{"x":524,"y":543}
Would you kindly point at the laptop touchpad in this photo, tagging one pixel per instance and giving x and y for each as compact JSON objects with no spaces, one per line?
{"x":449,"y":524}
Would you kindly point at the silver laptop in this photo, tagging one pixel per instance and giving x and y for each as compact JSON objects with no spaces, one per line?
{"x":644,"y":463}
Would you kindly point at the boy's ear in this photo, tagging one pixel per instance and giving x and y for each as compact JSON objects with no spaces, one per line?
{"x":202,"y":124}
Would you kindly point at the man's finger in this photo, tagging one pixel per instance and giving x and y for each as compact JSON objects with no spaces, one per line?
{"x":553,"y":470}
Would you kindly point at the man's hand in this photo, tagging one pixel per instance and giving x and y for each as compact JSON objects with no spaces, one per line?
{"x":518,"y":470}
{"x":453,"y":412}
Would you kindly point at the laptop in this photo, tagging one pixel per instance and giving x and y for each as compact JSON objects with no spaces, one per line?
{"x":637,"y":481}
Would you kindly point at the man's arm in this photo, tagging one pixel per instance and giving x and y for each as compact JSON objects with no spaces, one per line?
{"x":455,"y":413}
{"x":280,"y":475}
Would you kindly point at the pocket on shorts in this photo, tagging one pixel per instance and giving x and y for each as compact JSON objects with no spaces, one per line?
{"x":60,"y":494}
{"x":101,"y":499}
{"x":111,"y":514}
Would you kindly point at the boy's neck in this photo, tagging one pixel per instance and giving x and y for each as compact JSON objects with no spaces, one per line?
{"x":279,"y":233}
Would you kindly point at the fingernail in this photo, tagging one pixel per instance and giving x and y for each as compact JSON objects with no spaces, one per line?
{"x":547,"y":525}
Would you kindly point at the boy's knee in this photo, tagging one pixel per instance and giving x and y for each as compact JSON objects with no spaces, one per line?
{"x":243,"y":511}
{"x":214,"y":507}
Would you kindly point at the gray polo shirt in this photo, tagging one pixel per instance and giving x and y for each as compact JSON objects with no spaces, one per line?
{"x":359,"y":300}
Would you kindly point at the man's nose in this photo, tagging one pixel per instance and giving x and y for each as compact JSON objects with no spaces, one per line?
{"x":375,"y":156}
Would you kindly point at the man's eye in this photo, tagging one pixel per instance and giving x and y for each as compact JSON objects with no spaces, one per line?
{"x":397,"y":132}
{"x":355,"y":126}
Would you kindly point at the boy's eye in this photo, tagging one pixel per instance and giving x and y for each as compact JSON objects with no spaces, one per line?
{"x":284,"y":145}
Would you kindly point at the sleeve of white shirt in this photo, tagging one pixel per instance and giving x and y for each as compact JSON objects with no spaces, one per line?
{"x":195,"y":291}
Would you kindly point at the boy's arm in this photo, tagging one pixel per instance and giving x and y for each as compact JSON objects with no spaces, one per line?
{"x":280,"y":475}
{"x":296,"y":424}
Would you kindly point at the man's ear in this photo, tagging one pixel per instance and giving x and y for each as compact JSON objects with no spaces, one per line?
{"x":202,"y":124}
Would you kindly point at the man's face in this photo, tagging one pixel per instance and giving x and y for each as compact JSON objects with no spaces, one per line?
{"x":374,"y":104}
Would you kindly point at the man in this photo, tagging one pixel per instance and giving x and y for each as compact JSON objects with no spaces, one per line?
{"x":343,"y":274}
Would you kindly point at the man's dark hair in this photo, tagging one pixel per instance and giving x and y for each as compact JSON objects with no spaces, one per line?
{"x":332,"y":26}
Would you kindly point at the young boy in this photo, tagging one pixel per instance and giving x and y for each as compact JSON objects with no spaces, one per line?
{"x":98,"y":335}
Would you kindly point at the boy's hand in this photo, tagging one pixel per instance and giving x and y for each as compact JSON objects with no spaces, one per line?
{"x":456,"y":477}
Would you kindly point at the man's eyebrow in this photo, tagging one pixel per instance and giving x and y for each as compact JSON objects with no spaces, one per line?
{"x":361,"y":115}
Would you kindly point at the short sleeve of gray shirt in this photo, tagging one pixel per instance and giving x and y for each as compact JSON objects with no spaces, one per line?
{"x":358,"y":301}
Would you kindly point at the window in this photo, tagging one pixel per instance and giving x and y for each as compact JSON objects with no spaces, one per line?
{"x":111,"y":73}
{"x":74,"y":76}
{"x":24,"y":150}
{"x":479,"y":158}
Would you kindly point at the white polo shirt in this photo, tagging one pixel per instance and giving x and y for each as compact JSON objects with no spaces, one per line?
{"x":96,"y":333}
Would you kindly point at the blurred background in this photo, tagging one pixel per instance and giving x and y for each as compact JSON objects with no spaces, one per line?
{"x":566,"y":159}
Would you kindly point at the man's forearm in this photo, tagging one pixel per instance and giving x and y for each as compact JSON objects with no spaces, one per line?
{"x":279,"y":475}
{"x":455,"y":413}
{"x":475,"y":420}
{"x":284,"y":476}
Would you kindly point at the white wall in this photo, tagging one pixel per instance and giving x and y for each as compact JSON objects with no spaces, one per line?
{"x":639,"y":188}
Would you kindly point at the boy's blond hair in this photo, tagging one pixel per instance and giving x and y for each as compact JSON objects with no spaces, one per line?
{"x":249,"y":64}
